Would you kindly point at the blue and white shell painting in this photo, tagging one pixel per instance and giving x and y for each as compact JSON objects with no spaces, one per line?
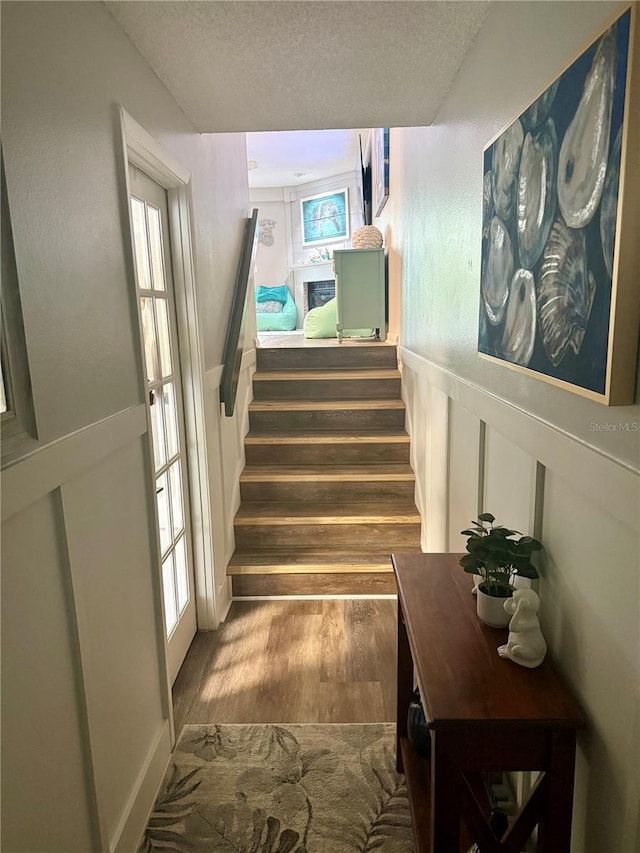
{"x":536,"y":192}
{"x":550,"y":204}
{"x":609,"y":203}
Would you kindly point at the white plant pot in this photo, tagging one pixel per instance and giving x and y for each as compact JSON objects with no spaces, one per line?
{"x":491,"y":610}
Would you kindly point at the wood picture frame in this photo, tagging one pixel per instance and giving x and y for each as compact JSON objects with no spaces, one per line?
{"x":324,"y":218}
{"x":560,"y":271}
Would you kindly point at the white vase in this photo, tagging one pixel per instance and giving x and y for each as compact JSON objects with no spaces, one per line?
{"x":491,"y":610}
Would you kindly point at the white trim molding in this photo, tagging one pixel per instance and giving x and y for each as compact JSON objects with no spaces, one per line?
{"x":145,"y":151}
{"x":607,"y":483}
{"x":136,"y":814}
{"x":141,"y":149}
{"x":52,"y":465}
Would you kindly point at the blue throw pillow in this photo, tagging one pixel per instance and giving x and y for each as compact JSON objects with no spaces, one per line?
{"x":266,"y":294}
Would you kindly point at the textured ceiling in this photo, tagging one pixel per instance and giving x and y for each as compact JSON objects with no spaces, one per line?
{"x":304,"y":64}
{"x":287,"y":158}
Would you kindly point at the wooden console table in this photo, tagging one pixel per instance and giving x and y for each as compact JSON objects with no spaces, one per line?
{"x":485,"y":713}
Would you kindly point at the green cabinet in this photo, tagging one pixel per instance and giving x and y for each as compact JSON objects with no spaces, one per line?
{"x":360,"y":289}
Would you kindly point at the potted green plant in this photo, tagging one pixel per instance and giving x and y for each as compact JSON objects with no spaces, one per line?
{"x":497,"y":558}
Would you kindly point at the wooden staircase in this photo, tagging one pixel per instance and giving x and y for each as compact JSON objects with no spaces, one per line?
{"x":327,"y":492}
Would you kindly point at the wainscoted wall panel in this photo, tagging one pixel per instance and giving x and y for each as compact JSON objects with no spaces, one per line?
{"x":609,"y":483}
{"x":45,"y":753}
{"x":77,"y":514}
{"x":225,"y":447}
{"x":590,"y":599}
{"x":465,"y":437}
{"x":586,"y":509}
{"x":115,"y":585}
{"x":509,"y":483}
{"x":434,"y":532}
{"x":416,"y":399}
{"x":213,"y":415}
{"x":229,"y":454}
{"x":41,"y":472}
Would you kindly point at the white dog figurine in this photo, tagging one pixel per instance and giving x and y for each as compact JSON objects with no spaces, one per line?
{"x":525,"y":644}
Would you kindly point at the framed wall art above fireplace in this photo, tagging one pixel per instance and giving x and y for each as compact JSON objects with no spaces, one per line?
{"x":325,"y":217}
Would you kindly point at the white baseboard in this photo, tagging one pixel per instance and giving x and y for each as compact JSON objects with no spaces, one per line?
{"x":141,"y":802}
{"x":223,"y":600}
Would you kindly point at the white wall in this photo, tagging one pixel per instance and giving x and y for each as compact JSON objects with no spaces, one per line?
{"x":272,"y":261}
{"x":512,"y":444}
{"x":86,"y":716}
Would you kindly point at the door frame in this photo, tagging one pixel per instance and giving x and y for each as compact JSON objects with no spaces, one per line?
{"x":142,"y":150}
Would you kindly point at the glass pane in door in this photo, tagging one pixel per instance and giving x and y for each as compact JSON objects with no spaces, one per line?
{"x":177,"y":511}
{"x":155,"y":245}
{"x":141,"y":248}
{"x":170,"y":417}
{"x":164,"y":339}
{"x":157,"y":429}
{"x":164,"y":518}
{"x":182,"y":578}
{"x":149,"y":336}
{"x":169,"y":589}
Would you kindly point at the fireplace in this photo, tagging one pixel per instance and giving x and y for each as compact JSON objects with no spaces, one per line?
{"x":304,"y":277}
{"x":317,"y":293}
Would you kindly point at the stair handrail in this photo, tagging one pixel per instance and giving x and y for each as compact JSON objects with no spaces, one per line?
{"x":233,"y":346}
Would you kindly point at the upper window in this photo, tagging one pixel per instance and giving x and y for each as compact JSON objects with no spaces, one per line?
{"x":16,"y":406}
{"x":3,"y":393}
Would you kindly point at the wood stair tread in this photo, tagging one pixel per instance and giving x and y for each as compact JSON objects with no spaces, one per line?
{"x":307,"y":556}
{"x":314,"y":584}
{"x":301,"y":561}
{"x":320,"y":567}
{"x":366,"y":473}
{"x":350,"y":355}
{"x":353,"y":512}
{"x":322,"y":405}
{"x":371,"y":436}
{"x":297,"y":375}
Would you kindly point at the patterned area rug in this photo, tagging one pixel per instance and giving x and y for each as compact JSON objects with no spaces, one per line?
{"x":282,"y":789}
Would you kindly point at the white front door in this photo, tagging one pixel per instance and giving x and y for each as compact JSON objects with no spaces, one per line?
{"x":157,"y":311}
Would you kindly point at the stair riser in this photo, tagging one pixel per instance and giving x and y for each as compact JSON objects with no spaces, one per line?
{"x":346,"y":420}
{"x":339,"y":454}
{"x":369,"y":537}
{"x":327,"y":491}
{"x":358,"y":583}
{"x":327,"y":358}
{"x":327,"y":389}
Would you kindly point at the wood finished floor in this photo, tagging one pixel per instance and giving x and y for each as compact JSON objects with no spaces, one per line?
{"x":311,"y":661}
